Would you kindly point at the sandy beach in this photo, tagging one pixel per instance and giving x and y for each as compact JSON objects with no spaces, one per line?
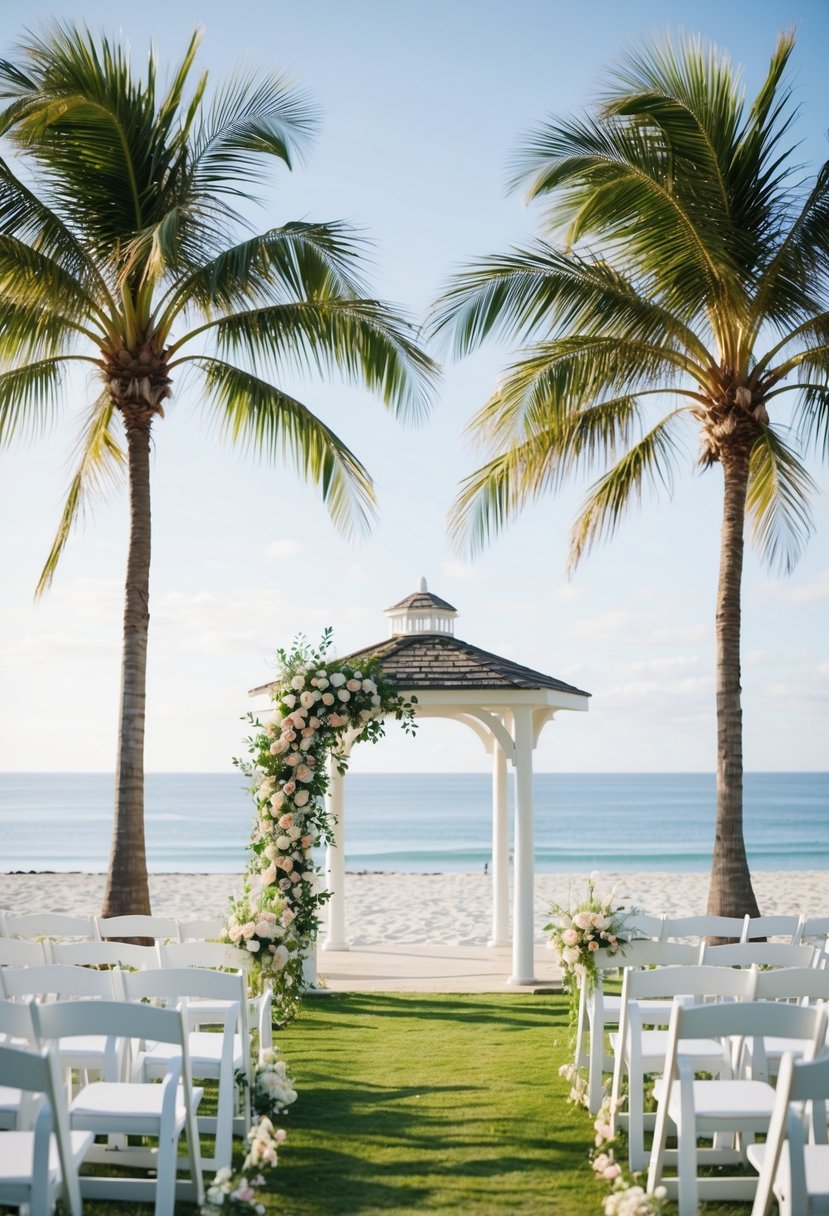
{"x":442,"y":909}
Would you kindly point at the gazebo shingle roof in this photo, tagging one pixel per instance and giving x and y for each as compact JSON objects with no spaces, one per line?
{"x":442,"y":661}
{"x":422,"y":601}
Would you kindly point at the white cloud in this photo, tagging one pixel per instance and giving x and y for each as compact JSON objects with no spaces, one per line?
{"x":285,"y":547}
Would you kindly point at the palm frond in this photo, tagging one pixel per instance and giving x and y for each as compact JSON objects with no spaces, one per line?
{"x":248,"y":119}
{"x":28,"y":396}
{"x":101,"y":463}
{"x":647,"y":464}
{"x":276,"y":426}
{"x":35,"y":280}
{"x":539,"y":290}
{"x":812,"y":421}
{"x":365,"y":340}
{"x":295,"y":262}
{"x":777,"y":505}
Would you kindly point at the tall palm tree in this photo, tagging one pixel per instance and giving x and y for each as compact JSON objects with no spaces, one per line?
{"x":124,"y":250}
{"x":692,"y":261}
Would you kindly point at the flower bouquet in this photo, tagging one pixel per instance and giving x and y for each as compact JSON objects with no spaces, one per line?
{"x":575,"y":936}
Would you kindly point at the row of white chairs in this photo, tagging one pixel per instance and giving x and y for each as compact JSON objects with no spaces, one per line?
{"x":41,"y":1161}
{"x":598,"y":1011}
{"x":209,"y":998}
{"x":18,"y":952}
{"x":96,"y":928}
{"x":789,"y":927}
{"x":640,"y":1045}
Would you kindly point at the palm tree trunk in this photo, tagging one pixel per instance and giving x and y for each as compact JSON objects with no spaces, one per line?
{"x":127,"y":888}
{"x":730,"y":892}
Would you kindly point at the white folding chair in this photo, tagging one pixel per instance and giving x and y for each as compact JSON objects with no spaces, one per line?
{"x":160,"y":928}
{"x":134,"y":1108}
{"x":734,"y":1110}
{"x":15,"y":1030}
{"x":598,"y":1011}
{"x":816,"y":932}
{"x":39,"y":1164}
{"x":644,"y":924}
{"x":213,"y":1056}
{"x":789,"y":927}
{"x":203,"y":928}
{"x":798,"y":986}
{"x":221,"y":956}
{"x":51,"y":924}
{"x":639,"y":1052}
{"x":793,"y":1164}
{"x":106,"y":954}
{"x":87,"y":1053}
{"x":700,"y":927}
{"x":758,"y":954}
{"x":19,"y":953}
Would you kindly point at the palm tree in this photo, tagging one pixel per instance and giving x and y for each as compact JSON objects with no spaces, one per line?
{"x":124,"y":250}
{"x":693,"y":264}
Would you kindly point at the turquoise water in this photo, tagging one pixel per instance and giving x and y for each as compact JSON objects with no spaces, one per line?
{"x":425,"y":821}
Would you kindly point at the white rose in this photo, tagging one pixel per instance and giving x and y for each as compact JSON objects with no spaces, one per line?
{"x":252,"y":945}
{"x":327,"y":698}
{"x":353,"y":685}
{"x":283,"y":843}
{"x":294,"y":832}
{"x":307,"y":699}
{"x":344,"y":694}
{"x":369,"y":686}
{"x":322,"y":683}
{"x":289,"y":700}
{"x":375,"y":700}
{"x":337,"y":679}
{"x":298,"y":682}
{"x":300,"y":797}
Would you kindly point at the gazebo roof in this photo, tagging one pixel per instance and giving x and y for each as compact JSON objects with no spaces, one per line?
{"x":440,"y":661}
{"x":422,"y":600}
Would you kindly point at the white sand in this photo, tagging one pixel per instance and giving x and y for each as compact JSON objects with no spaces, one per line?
{"x":442,"y":909}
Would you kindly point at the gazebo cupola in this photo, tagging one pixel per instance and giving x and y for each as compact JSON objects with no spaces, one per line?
{"x":421,"y":612}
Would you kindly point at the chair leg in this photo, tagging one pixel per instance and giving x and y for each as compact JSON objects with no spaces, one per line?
{"x":596,"y":1066}
{"x":165,"y":1190}
{"x":637,"y":1158}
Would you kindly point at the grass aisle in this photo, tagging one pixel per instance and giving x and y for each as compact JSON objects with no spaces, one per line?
{"x":433,"y":1104}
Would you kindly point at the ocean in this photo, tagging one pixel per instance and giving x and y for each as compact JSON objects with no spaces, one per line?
{"x":425,"y":822}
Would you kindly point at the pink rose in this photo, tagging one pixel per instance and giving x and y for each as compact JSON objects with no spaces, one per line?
{"x":286,"y":820}
{"x":294,"y":876}
{"x":288,"y":915}
{"x":301,"y":796}
{"x":289,"y":735}
{"x":307,"y":700}
{"x":314,"y":723}
{"x":248,"y":930}
{"x":353,"y":685}
{"x":344,"y":695}
{"x":269,"y":876}
{"x":327,"y":698}
{"x":306,"y":842}
{"x":289,"y":787}
{"x":285,"y":884}
{"x":303,"y":773}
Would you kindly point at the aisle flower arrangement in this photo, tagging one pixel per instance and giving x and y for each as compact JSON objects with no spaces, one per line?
{"x":232,"y":1194}
{"x":576,"y":935}
{"x":319,"y":704}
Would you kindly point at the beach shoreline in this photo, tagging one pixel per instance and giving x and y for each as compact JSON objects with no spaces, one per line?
{"x":405,"y":907}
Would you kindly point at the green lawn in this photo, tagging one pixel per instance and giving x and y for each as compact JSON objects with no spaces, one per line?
{"x":442,"y":1104}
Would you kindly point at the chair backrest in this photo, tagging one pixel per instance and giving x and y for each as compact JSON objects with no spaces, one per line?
{"x":51,"y":924}
{"x":204,"y":954}
{"x":172,"y":983}
{"x":16,"y":953}
{"x":697,"y":982}
{"x":792,"y":984}
{"x":58,"y":981}
{"x":789,"y":927}
{"x":647,"y":953}
{"x":815,"y":928}
{"x":705,"y":926}
{"x":158,"y":927}
{"x":645,"y":924}
{"x":37,"y":1071}
{"x":103,"y":954}
{"x":66,"y":1019}
{"x":203,"y":928}
{"x":749,"y":1019}
{"x":801,"y":1081}
{"x":761,"y":954}
{"x":16,"y":1022}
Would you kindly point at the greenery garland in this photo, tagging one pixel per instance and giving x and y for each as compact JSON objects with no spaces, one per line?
{"x":318,"y":703}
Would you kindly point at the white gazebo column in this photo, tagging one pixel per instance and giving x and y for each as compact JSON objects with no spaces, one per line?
{"x":335,"y":863}
{"x":523,"y":954}
{"x":500,"y":848}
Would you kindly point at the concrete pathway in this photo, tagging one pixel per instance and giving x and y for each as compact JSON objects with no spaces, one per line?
{"x":428,"y":968}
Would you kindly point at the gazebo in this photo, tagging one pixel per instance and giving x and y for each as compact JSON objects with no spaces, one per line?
{"x":506,"y":705}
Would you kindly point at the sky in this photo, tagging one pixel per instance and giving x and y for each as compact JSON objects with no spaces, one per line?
{"x":421,"y":107}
